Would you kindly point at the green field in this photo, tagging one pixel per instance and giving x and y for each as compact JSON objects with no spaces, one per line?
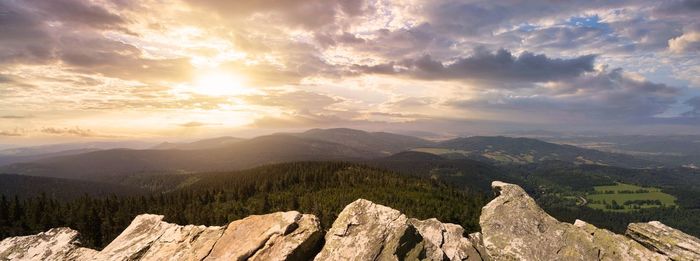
{"x":626,"y":197}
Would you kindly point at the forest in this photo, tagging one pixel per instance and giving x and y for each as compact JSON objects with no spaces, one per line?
{"x":320,"y":188}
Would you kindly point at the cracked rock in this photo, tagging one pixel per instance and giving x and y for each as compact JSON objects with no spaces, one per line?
{"x":664,"y":239}
{"x":513,"y":227}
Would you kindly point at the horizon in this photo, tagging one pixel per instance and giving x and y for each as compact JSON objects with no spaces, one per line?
{"x":122,"y":70}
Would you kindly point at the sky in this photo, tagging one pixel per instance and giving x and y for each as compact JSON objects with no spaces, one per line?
{"x":128,"y":69}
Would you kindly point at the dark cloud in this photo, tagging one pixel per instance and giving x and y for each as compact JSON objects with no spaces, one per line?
{"x":483,"y":17}
{"x":488,"y":66}
{"x":71,"y":32}
{"x":694,"y":103}
{"x":75,"y":13}
{"x":604,"y":95}
{"x":678,"y":7}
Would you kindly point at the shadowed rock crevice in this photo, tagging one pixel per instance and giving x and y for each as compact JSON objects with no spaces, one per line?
{"x":513,"y":228}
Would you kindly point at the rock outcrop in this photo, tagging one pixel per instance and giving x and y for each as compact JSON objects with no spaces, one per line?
{"x":664,"y":239}
{"x":276,"y":236}
{"x":368,"y":231}
{"x":55,"y":244}
{"x":513,"y":228}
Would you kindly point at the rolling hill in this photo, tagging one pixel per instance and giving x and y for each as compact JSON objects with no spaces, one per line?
{"x":198,"y":145}
{"x":382,"y":142}
{"x":501,"y":149}
{"x":99,"y":165}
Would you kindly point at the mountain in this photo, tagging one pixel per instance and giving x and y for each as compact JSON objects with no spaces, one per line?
{"x":64,"y":147}
{"x":382,"y":142}
{"x":512,"y":227}
{"x":198,"y":145}
{"x":102,"y":164}
{"x":60,"y":189}
{"x":525,"y":150}
{"x":4,"y":160}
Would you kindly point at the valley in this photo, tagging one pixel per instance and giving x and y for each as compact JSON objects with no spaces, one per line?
{"x":218,"y":180}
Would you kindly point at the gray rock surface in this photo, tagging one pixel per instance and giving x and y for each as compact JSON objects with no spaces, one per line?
{"x":55,"y":244}
{"x":274,"y":236}
{"x":444,"y":240}
{"x":368,"y":231}
{"x":664,"y":239}
{"x":513,"y":227}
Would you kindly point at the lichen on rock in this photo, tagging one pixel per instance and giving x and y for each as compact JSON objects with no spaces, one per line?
{"x":664,"y":239}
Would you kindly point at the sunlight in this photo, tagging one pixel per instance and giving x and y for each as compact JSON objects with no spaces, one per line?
{"x":220,"y":84}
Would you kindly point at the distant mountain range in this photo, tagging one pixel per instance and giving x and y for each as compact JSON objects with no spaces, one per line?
{"x":229,"y":153}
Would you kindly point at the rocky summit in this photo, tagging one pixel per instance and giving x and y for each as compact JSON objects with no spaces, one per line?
{"x":513,"y":227}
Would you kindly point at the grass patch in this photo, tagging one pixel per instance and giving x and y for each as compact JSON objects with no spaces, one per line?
{"x":626,"y":197}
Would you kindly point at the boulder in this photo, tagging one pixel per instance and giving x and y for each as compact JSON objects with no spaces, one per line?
{"x":514,"y":227}
{"x":445,"y":241}
{"x":276,"y":236}
{"x":368,"y":231}
{"x":135,"y":241}
{"x":55,"y":244}
{"x":664,"y":239}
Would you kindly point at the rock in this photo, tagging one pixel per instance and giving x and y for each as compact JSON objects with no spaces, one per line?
{"x":135,"y":241}
{"x":617,"y":247}
{"x":513,"y":227}
{"x":184,"y":243}
{"x":368,"y":231}
{"x":55,"y":244}
{"x":477,"y":241}
{"x":445,"y":241}
{"x":277,"y":236}
{"x":664,"y":239}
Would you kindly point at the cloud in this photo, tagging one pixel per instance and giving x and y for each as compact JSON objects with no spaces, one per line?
{"x":295,"y":100}
{"x":689,"y":42}
{"x":600,"y":96}
{"x":194,"y":124}
{"x":695,"y":104}
{"x":14,"y":117}
{"x":75,"y":131}
{"x":13,"y":133}
{"x":308,"y":14}
{"x":490,"y":66}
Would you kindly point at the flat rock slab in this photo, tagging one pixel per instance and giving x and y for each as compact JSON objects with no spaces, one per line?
{"x":664,"y":239}
{"x":55,"y":244}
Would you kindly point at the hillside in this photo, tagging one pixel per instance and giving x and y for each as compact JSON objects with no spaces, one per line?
{"x":525,"y":150}
{"x":245,"y":154}
{"x":381,"y":142}
{"x":60,"y":189}
{"x":198,"y":145}
{"x":462,"y":173}
{"x":322,"y":189}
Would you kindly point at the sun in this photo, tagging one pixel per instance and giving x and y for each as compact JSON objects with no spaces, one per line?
{"x":220,"y":84}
